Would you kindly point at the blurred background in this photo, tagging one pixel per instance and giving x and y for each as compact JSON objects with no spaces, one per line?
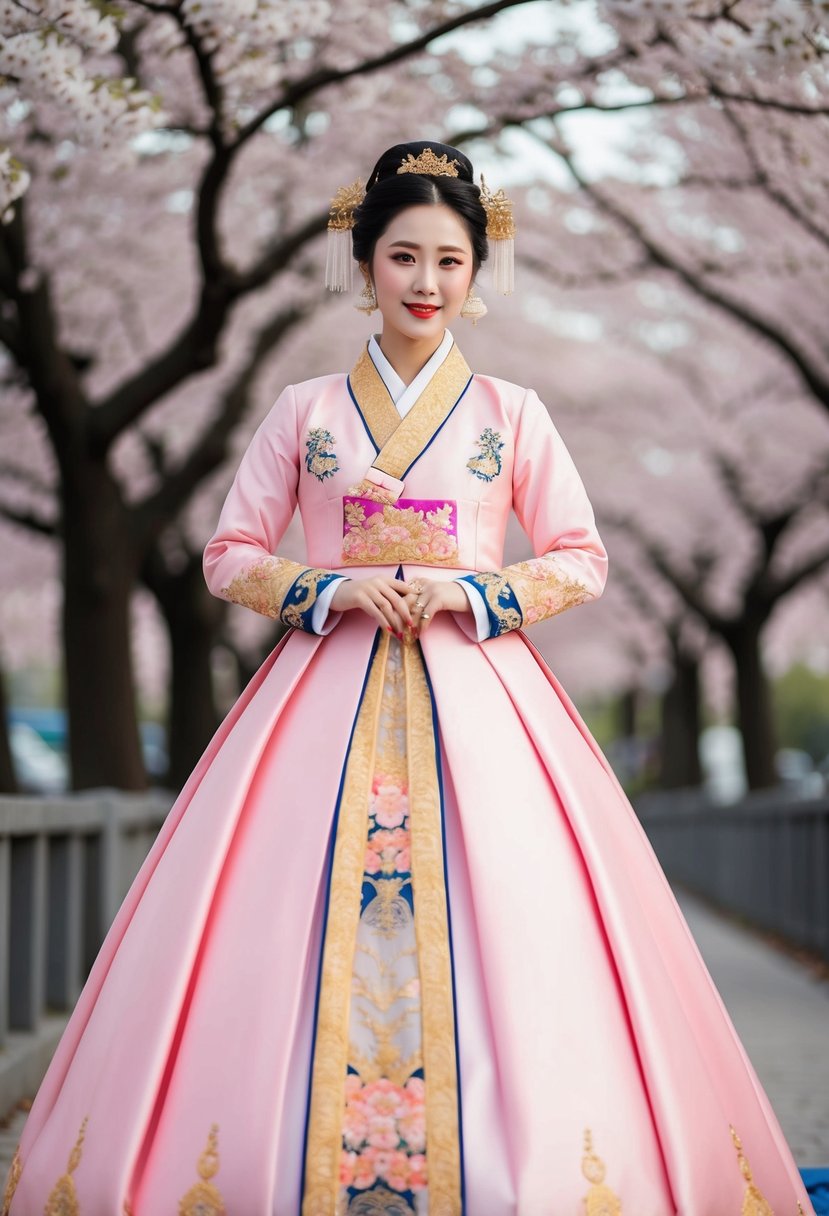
{"x":165,"y":173}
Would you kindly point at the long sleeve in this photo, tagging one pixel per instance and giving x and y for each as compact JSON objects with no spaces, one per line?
{"x":477,"y":603}
{"x":551,"y":503}
{"x":240,"y":561}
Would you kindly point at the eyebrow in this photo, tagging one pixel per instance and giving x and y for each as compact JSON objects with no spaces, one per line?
{"x":441,"y":248}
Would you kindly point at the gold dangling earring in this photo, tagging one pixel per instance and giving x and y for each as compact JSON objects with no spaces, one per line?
{"x":367,"y":300}
{"x":473,"y":307}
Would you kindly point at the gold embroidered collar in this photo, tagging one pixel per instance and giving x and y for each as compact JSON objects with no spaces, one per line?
{"x":400,"y":441}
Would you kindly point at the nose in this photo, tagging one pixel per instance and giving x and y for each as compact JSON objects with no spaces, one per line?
{"x":425,"y":283}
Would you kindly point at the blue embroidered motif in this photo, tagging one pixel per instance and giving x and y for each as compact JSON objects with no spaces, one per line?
{"x":488,"y":464}
{"x":502,"y":606}
{"x":318,"y":460}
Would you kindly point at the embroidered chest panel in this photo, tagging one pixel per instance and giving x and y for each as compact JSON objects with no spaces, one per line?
{"x":422,"y":530}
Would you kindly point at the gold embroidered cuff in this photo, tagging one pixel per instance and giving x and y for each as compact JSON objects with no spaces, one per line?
{"x":280,"y":588}
{"x":526,"y":592}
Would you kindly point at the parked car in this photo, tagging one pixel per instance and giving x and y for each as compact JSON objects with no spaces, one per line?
{"x":38,"y":767}
{"x":49,"y":725}
{"x":797,"y":773}
{"x":723,"y":765}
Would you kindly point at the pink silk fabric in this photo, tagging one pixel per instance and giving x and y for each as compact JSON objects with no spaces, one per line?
{"x":582,"y":999}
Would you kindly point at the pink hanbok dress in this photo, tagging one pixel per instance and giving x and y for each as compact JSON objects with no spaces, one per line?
{"x":401,"y":945}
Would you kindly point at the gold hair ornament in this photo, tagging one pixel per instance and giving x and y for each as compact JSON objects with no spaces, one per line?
{"x":500,"y":231}
{"x":427,"y":162}
{"x":339,"y":262}
{"x":500,"y":225}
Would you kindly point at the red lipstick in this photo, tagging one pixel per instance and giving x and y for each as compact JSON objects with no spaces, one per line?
{"x":422,"y":310}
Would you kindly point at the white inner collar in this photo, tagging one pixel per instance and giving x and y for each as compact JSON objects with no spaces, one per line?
{"x":405,"y":395}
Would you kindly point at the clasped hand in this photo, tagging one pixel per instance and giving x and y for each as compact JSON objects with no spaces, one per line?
{"x":396,"y":605}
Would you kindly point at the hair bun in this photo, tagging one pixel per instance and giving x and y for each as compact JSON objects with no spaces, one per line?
{"x":389,"y":164}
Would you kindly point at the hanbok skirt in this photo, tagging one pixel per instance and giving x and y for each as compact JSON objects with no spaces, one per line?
{"x":401,"y":946}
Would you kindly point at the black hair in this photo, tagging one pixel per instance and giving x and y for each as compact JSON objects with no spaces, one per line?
{"x":389,"y":192}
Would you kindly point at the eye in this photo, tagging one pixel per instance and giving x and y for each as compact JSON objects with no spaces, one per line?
{"x":396,"y":257}
{"x":454,"y":261}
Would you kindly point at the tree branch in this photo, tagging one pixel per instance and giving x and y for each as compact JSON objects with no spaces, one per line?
{"x":29,"y":520}
{"x":813,"y":377}
{"x":152,"y":514}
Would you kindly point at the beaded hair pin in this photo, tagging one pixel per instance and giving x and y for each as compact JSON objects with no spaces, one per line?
{"x":500,"y":225}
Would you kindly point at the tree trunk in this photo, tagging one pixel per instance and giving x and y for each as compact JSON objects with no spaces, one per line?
{"x":104,"y":743}
{"x":8,"y":778}
{"x":754,"y":705}
{"x":194,"y":618}
{"x":680,"y":724}
{"x":627,"y":712}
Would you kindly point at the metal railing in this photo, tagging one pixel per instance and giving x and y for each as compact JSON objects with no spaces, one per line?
{"x":765,"y":858}
{"x":66,"y":864}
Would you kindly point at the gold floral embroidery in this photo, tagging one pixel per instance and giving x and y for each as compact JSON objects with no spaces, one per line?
{"x":370,"y":489}
{"x":487,"y":464}
{"x":407,"y":713}
{"x":203,"y":1198}
{"x":543,"y":590}
{"x":379,"y":1202}
{"x":384,"y":1098}
{"x":754,"y":1203}
{"x":400,"y":533}
{"x":318,"y":459}
{"x":494,"y":586}
{"x":330,"y":1061}
{"x":600,"y":1200}
{"x":63,"y":1200}
{"x":309,"y":582}
{"x":264,"y":585}
{"x":12,"y":1179}
{"x":432,"y":930}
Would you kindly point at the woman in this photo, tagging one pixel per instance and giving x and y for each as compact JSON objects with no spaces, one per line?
{"x":401,"y":945}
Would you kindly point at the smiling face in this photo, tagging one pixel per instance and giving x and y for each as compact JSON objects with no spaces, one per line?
{"x":422,"y":269}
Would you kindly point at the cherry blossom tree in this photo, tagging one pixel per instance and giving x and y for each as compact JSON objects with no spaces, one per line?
{"x":128,"y":330}
{"x":244,"y":115}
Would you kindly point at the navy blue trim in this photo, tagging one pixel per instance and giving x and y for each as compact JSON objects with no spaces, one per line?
{"x":298,"y":595}
{"x":431,"y":441}
{"x":360,"y":412}
{"x":436,"y":733}
{"x":506,"y":597}
{"x":440,"y":428}
{"x":816,"y":1181}
{"x":331,"y":843}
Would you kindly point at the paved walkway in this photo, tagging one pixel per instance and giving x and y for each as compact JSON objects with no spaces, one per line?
{"x":780,"y":1007}
{"x":781,"y":1010}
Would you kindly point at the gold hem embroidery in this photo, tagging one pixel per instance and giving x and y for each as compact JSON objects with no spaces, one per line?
{"x":600,"y":1200}
{"x":754,"y":1203}
{"x":12,"y":1179}
{"x":432,"y":935}
{"x":327,"y":1102}
{"x":63,"y":1199}
{"x":203,"y":1197}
